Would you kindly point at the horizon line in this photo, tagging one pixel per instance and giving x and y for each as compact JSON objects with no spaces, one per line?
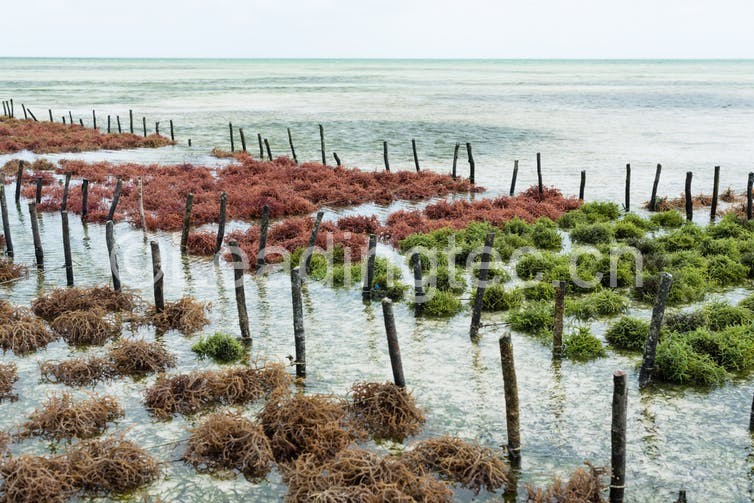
{"x":385,"y":58}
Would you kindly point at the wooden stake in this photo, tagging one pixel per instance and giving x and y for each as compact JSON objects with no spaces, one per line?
{"x":312,"y":241}
{"x":751,"y":417}
{"x":108,"y":124}
{"x":238,"y":268}
{"x":116,"y":198}
{"x":81,"y":122}
{"x":618,"y":438}
{"x":293,"y":150}
{"x":627,"y":204}
{"x":66,"y":189}
{"x":157,"y":128}
{"x":392,"y":343}
{"x":337,"y":159}
{"x":186,"y":221}
{"x":33,"y":117}
{"x":84,"y":198}
{"x":117,"y":121}
{"x":582,"y":185}
{"x":510,"y":387}
{"x":232,"y":145}
{"x":172,"y":132}
{"x":269,"y":152}
{"x":513,"y":178}
{"x":50,"y":110}
{"x":322,"y":144}
{"x":64,"y":120}
{"x":557,"y":328}
{"x":261,"y":146}
{"x":298,"y":324}
{"x":749,"y":187}
{"x":19,"y":178}
{"x":142,"y":217}
{"x":715,"y":189}
{"x":158,"y":277}
{"x":67,"y":249}
{"x":471,"y":163}
{"x":539,"y":174}
{"x":385,"y":156}
{"x":476,"y":313}
{"x":689,"y":202}
{"x":243,"y":139}
{"x":650,"y":348}
{"x":366,"y":291}
{"x":264,"y":226}
{"x":70,"y":116}
{"x":94,"y":120}
{"x":416,"y":156}
{"x":454,"y":172}
{"x":110,"y":241}
{"x":38,"y":252}
{"x":144,"y":125}
{"x":38,"y":195}
{"x":26,"y":117}
{"x":221,"y":223}
{"x":653,"y":198}
{"x":419,"y":300}
{"x":6,"y":221}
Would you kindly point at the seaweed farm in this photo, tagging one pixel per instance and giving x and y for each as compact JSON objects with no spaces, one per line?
{"x":202,"y":325}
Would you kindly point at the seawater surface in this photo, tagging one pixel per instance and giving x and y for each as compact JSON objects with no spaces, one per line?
{"x":596,"y":116}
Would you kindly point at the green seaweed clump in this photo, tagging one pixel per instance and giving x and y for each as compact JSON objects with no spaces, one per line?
{"x":220,"y":347}
{"x":499,"y":298}
{"x":628,"y":333}
{"x":440,"y":303}
{"x":604,"y":302}
{"x":533,"y":318}
{"x":678,"y":362}
{"x":581,"y":345}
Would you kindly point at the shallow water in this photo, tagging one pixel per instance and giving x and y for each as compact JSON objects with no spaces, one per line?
{"x":643,"y":112}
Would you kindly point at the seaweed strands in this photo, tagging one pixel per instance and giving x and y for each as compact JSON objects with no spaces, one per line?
{"x":186,"y":315}
{"x":29,"y":479}
{"x":62,"y":418}
{"x":228,"y":441}
{"x":455,"y":460}
{"x":584,"y":485}
{"x":8,"y":377}
{"x":77,"y":371}
{"x":386,"y":411}
{"x":201,"y":390}
{"x":10,"y":270}
{"x":22,"y":333}
{"x":62,"y":300}
{"x":85,"y":327}
{"x":307,"y":424}
{"x":358,"y":475}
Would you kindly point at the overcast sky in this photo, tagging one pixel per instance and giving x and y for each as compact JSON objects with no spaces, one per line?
{"x":380,"y":28}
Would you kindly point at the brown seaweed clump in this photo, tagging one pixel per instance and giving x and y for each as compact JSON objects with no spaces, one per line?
{"x":467,"y":464}
{"x":63,"y":300}
{"x":358,"y":475}
{"x":385,"y":410}
{"x":78,"y":371}
{"x":200,"y":390}
{"x":29,"y":479}
{"x":307,"y":424}
{"x":4,"y":441}
{"x":62,"y":418}
{"x":186,"y":315}
{"x":137,"y":357}
{"x":227,"y":440}
{"x":24,"y":334}
{"x":584,"y":485}
{"x":8,"y":377}
{"x":85,"y":327}
{"x":9,"y":270}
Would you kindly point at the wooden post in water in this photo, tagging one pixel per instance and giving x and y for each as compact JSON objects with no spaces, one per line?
{"x":23,"y":107}
{"x":715,"y":190}
{"x":94,"y":119}
{"x":337,"y":159}
{"x":158,"y":277}
{"x":38,"y":195}
{"x":299,"y":337}
{"x":312,"y":241}
{"x":454,"y":172}
{"x":557,"y":327}
{"x":84,"y":198}
{"x":416,"y":156}
{"x":267,"y":147}
{"x":19,"y":178}
{"x":582,"y":185}
{"x":186,"y":222}
{"x":689,"y":201}
{"x":322,"y":144}
{"x":116,"y":198}
{"x":476,"y":313}
{"x":117,"y":121}
{"x":6,"y":221}
{"x":172,"y":131}
{"x":67,"y":249}
{"x":265,"y":225}
{"x":110,"y":241}
{"x":238,"y":268}
{"x":419,"y":300}
{"x":513,"y":178}
{"x":142,"y":217}
{"x":38,"y":252}
{"x":510,"y":387}
{"x":385,"y":156}
{"x":261,"y":146}
{"x":471,"y":163}
{"x":157,"y":128}
{"x":66,"y":189}
{"x":392,"y":343}
{"x":751,"y":417}
{"x":33,"y":117}
{"x":749,"y":187}
{"x":232,"y":145}
{"x":81,"y":122}
{"x":64,"y":120}
{"x":189,"y":142}
{"x":243,"y":139}
{"x":653,"y":198}
{"x":50,"y":110}
{"x":539,"y":174}
{"x":221,"y":223}
{"x":293,"y":149}
{"x":650,"y":348}
{"x":627,"y":204}
{"x":618,"y":437}
{"x":366,"y":291}
{"x":144,"y":125}
{"x":70,"y":117}
{"x":108,"y":124}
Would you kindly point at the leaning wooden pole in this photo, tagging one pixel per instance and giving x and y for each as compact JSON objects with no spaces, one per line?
{"x":116,"y":198}
{"x":653,"y":197}
{"x":416,"y":156}
{"x":513,"y":178}
{"x":84,"y":198}
{"x":618,"y":438}
{"x":454,"y":172}
{"x":186,"y":222}
{"x":221,"y":223}
{"x":67,"y":249}
{"x":322,"y":144}
{"x":650,"y":348}
{"x":38,"y":252}
{"x":293,"y":149}
{"x":385,"y":156}
{"x":19,"y":179}
{"x":472,"y":164}
{"x":510,"y":387}
{"x":540,"y":186}
{"x":476,"y":313}
{"x":238,"y":270}
{"x":689,"y":200}
{"x":110,"y":241}
{"x":299,"y":337}
{"x":392,"y":343}
{"x":158,"y":277}
{"x":6,"y":220}
{"x":366,"y":291}
{"x":715,"y":190}
{"x":312,"y":241}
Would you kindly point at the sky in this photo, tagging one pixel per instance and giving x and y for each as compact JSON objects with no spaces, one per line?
{"x":379,"y":28}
